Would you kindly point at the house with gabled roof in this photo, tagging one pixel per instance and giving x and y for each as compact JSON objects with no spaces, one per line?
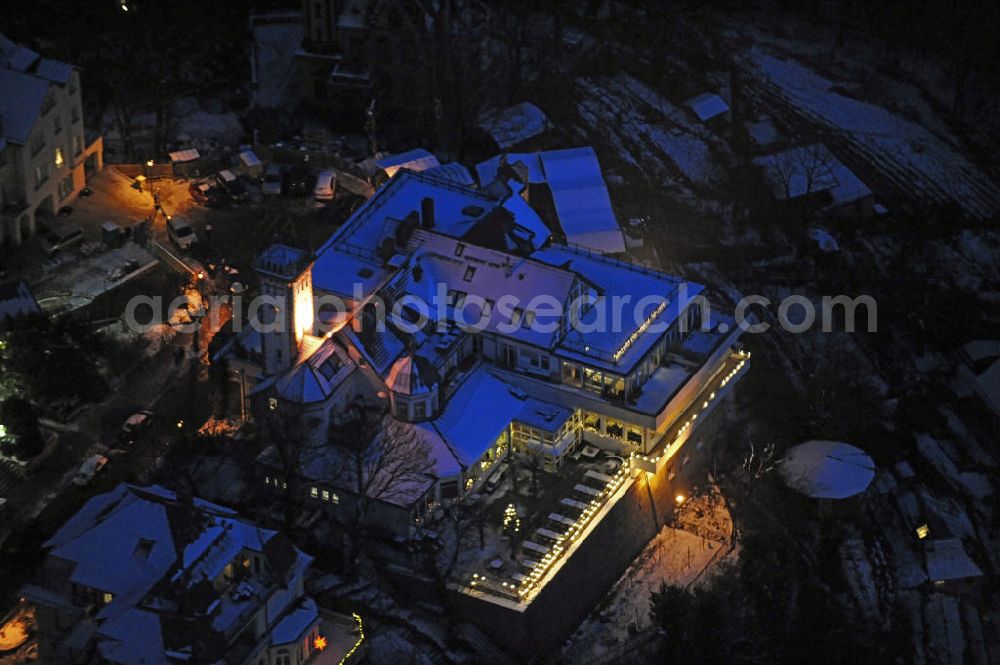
{"x":45,"y":152}
{"x":142,"y":576}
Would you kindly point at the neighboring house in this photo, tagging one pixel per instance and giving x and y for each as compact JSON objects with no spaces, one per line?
{"x":476,"y":395}
{"x":45,"y":155}
{"x":812,"y":173}
{"x":16,"y":300}
{"x":515,"y":125}
{"x":979,"y":372}
{"x":568,"y":189}
{"x":709,"y":108}
{"x":347,"y":42}
{"x":142,"y":576}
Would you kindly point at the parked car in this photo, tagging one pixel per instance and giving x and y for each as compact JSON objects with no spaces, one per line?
{"x":90,"y":468}
{"x":204,"y":193}
{"x":326,"y":183}
{"x":231,"y":185}
{"x":270,"y":183}
{"x":57,"y":235}
{"x":134,"y":426}
{"x":298,"y":181}
{"x":180,"y":232}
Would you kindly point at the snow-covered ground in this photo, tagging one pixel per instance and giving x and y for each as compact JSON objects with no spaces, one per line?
{"x":649,"y":133}
{"x":901,"y":157}
{"x":676,"y":556}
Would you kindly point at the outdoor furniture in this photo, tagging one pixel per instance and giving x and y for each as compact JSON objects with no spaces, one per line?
{"x":548,"y":533}
{"x":573,"y":503}
{"x":587,"y":489}
{"x":590,"y":452}
{"x":528,"y":563}
{"x":534,"y":547}
{"x":561,"y":519}
{"x":518,"y":577}
{"x":597,"y":475}
{"x":496,"y":564}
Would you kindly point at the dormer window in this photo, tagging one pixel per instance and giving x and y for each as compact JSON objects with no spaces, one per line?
{"x":459,"y":249}
{"x":529,"y":319}
{"x":516,"y":316}
{"x":470,"y":272}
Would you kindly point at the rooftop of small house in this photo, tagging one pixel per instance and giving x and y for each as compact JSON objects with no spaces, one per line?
{"x":151,"y":549}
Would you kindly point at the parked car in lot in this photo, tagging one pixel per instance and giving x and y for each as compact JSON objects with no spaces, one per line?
{"x":134,"y":426}
{"x":204,"y":193}
{"x":57,"y":235}
{"x":180,"y":232}
{"x":231,"y":185}
{"x":270,"y":182}
{"x":326,"y":183}
{"x":298,"y":182}
{"x":90,"y":468}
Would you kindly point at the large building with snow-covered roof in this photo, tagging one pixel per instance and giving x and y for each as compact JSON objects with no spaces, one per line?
{"x":461,"y":316}
{"x":142,"y":576}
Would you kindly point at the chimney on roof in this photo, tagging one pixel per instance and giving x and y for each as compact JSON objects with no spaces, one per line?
{"x":427,"y":213}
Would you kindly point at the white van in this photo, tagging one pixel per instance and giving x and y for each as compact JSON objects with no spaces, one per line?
{"x":56,"y":235}
{"x":180,"y":232}
{"x":326,"y":183}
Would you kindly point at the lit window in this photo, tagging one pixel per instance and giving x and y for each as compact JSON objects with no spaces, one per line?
{"x":107,"y":597}
{"x":59,"y":157}
{"x":334,"y":499}
{"x":314,"y":492}
{"x":326,"y":495}
{"x":923,"y":531}
{"x":272,"y":403}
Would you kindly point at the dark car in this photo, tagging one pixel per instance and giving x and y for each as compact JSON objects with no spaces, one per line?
{"x":231,"y":184}
{"x":205,"y":194}
{"x":298,"y":182}
{"x":134,"y":426}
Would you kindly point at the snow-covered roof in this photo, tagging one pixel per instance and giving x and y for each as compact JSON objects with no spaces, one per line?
{"x":948,"y":560}
{"x":295,"y":624}
{"x":411,"y":375}
{"x":16,"y":57}
{"x":514,"y":124}
{"x":827,"y":469}
{"x":455,"y":208}
{"x":185,"y":155}
{"x":495,"y":276}
{"x":20,"y":104}
{"x":147,"y":547}
{"x":532,"y":161}
{"x":322,"y":368}
{"x":452,"y":172}
{"x":707,"y":105}
{"x":763,"y":132}
{"x":478,"y":413}
{"x":16,"y":300}
{"x":611,"y":277}
{"x":579,"y":193}
{"x":54,"y":71}
{"x":417,"y":160}
{"x":811,"y":169}
{"x":581,"y":199}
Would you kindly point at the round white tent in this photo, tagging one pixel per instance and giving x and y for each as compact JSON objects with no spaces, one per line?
{"x":827,"y":469}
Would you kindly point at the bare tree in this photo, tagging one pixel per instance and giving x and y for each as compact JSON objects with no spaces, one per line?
{"x":285,"y":432}
{"x":758,"y":463}
{"x":383,"y":459}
